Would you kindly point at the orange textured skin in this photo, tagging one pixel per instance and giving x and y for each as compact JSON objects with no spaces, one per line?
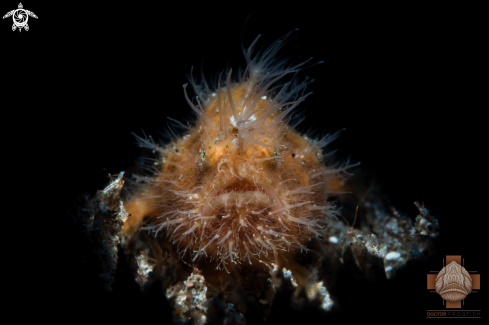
{"x":241,"y":186}
{"x":138,"y":209}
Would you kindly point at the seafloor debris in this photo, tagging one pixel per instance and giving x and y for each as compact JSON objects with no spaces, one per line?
{"x":189,"y":298}
{"x":103,"y":217}
{"x":378,"y":247}
{"x":145,"y":266}
{"x":387,"y":239}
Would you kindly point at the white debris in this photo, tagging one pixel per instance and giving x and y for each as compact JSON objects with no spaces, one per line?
{"x":391,"y":256}
{"x":144,"y":267}
{"x":318,"y":290}
{"x":288,"y":275}
{"x":333,"y":240}
{"x":190,"y":299}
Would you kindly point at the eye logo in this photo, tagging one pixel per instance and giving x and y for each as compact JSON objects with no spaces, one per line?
{"x":20,"y":17}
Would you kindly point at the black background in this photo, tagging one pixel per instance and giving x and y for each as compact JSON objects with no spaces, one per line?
{"x":403,"y":82}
